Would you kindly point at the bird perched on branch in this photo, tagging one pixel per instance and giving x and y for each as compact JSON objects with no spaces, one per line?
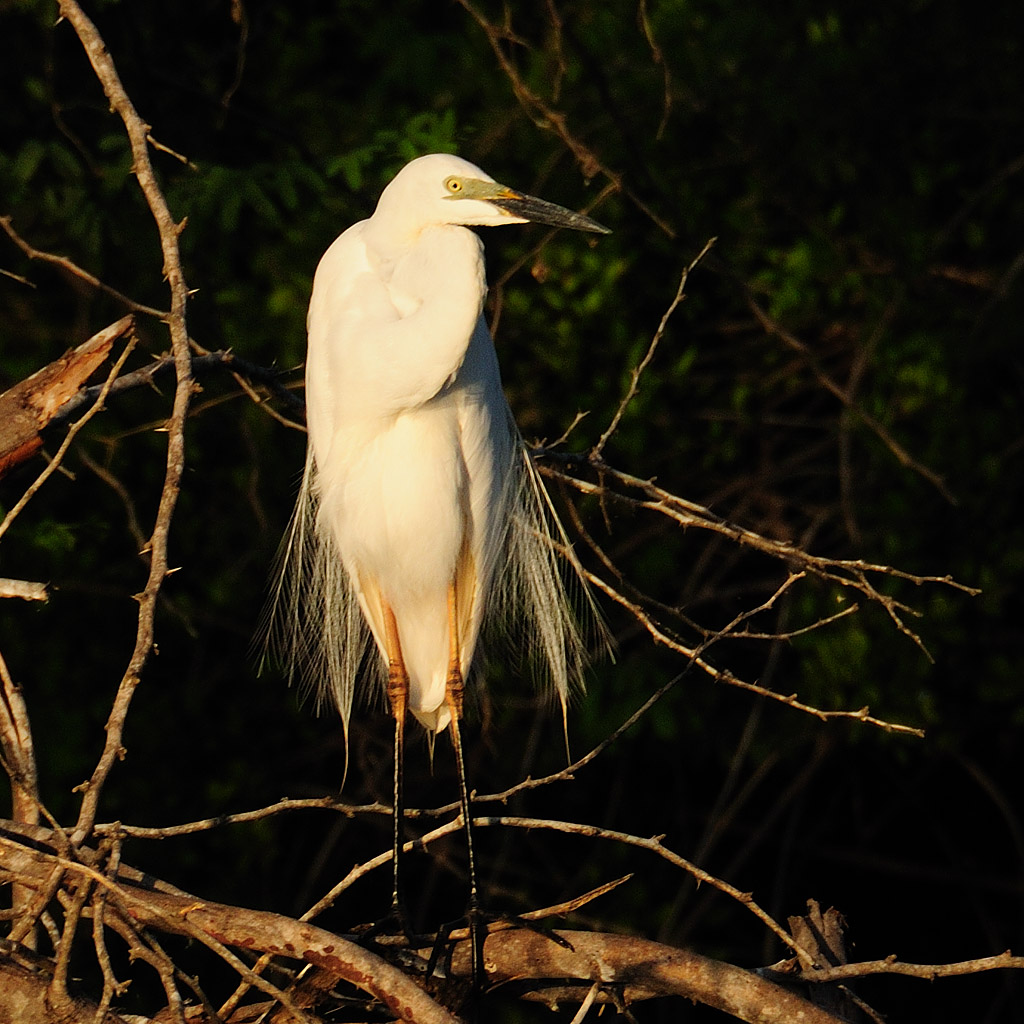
{"x":421,"y":515}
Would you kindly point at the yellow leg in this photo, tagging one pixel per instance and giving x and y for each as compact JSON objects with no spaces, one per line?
{"x":398,"y":676}
{"x":456,"y":688}
{"x":398,"y":700}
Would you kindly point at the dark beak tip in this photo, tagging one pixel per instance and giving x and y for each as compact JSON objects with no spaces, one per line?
{"x":542,"y":212}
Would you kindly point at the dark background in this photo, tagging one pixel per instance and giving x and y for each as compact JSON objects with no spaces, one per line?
{"x":861,"y":170}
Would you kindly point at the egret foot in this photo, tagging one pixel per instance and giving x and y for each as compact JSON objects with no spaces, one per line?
{"x":394,"y":923}
{"x":476,"y":924}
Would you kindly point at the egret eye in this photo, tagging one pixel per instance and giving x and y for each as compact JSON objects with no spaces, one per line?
{"x":454,"y":185}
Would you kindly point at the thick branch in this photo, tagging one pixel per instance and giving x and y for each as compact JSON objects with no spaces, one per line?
{"x":640,"y":969}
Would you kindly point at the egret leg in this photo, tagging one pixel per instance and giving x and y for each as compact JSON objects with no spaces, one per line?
{"x":398,"y":699}
{"x":454,"y":694}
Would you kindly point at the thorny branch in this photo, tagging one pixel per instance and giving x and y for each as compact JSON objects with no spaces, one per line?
{"x":651,"y":844}
{"x":239,"y":367}
{"x":138,"y":132}
{"x":847,"y":573}
{"x":72,"y":268}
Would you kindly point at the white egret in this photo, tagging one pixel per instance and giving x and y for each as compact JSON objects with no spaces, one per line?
{"x":420,"y":514}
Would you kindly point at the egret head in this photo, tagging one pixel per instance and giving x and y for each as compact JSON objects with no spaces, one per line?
{"x":444,"y":189}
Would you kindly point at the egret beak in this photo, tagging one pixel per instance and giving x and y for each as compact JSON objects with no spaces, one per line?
{"x":542,"y":212}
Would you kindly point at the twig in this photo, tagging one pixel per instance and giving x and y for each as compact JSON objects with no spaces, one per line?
{"x":729,"y":679}
{"x":189,"y":828}
{"x":634,"y":382}
{"x":361,"y":870}
{"x":241,"y":19}
{"x":72,"y":268}
{"x":104,"y":474}
{"x":57,"y":993}
{"x":44,"y":894}
{"x":846,"y":573}
{"x":228,"y":1007}
{"x":549,"y":119}
{"x":586,"y":1004}
{"x":655,"y":845}
{"x":144,"y":377}
{"x":928,"y":972}
{"x":571,"y":906}
{"x":659,"y":58}
{"x":147,"y":949}
{"x":18,"y":748}
{"x":242,"y":368}
{"x":111,"y":986}
{"x":144,"y":946}
{"x":694,"y":654}
{"x":170,"y":152}
{"x":772,"y":327}
{"x":557,"y":910}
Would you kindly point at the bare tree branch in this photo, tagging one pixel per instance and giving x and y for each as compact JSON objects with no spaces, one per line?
{"x":850,"y":574}
{"x":927,"y":972}
{"x":76,"y":271}
{"x":639,"y":968}
{"x":138,"y":132}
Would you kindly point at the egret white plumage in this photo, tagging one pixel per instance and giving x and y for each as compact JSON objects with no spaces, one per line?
{"x":420,"y":514}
